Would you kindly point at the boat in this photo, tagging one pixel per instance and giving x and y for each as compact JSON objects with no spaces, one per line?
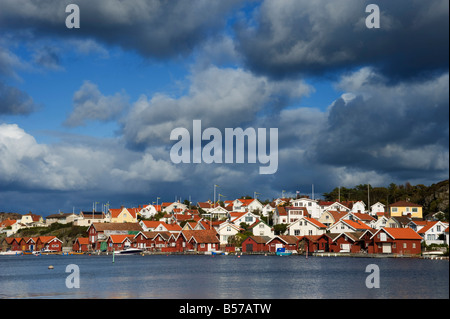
{"x":10,"y":253}
{"x":283,"y":252}
{"x":128,"y":251}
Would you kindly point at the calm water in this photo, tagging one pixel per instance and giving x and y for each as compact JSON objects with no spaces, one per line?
{"x":221,"y":277}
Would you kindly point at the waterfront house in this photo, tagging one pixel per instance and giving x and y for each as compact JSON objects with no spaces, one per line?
{"x":330,"y":217}
{"x":255,"y":244}
{"x":405,"y":208}
{"x":347,"y":225}
{"x":81,"y":244}
{"x":352,"y":242}
{"x":99,"y":232}
{"x":380,"y":222}
{"x":306,"y":226}
{"x":397,"y":241}
{"x":283,"y":241}
{"x":49,"y":243}
{"x":433,"y":232}
{"x":200,"y":240}
{"x":119,"y":242}
{"x":314,"y":243}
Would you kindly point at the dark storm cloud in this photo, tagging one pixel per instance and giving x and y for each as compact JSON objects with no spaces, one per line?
{"x":152,"y":28}
{"x":291,"y":37}
{"x":14,"y":101}
{"x":397,"y":129}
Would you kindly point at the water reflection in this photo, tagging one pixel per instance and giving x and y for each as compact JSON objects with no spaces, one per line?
{"x":221,"y":277}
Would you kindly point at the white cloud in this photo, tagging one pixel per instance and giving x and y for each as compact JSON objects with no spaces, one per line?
{"x":91,"y":104}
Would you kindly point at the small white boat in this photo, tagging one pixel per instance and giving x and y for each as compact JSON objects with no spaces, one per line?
{"x":9,"y":253}
{"x":129,"y":251}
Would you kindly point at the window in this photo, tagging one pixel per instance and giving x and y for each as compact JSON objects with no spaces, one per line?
{"x":415,"y":210}
{"x":414,"y":245}
{"x":438,"y":228}
{"x":297,"y":232}
{"x":383,"y":237}
{"x":309,"y":204}
{"x":310,"y":232}
{"x":404,"y":245}
{"x":394,"y":209}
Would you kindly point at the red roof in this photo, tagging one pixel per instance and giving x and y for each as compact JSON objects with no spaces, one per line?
{"x":402,"y":233}
{"x":404,"y":203}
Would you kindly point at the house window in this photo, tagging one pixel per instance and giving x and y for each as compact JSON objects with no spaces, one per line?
{"x":394,"y":209}
{"x":309,"y":204}
{"x":248,"y":218}
{"x":414,"y":245}
{"x":383,"y":237}
{"x":438,"y":228}
{"x":404,"y":245}
{"x":297,"y":232}
{"x":414,"y":210}
{"x":202,"y":245}
{"x":310,"y":232}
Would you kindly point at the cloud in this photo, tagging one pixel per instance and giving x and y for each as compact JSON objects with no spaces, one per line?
{"x":322,"y":37}
{"x":90,"y":104}
{"x":220,"y":97}
{"x":400,"y":130}
{"x":14,"y":101}
{"x":153,"y":28}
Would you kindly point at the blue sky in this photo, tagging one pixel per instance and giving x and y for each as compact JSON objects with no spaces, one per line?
{"x":86,"y":114}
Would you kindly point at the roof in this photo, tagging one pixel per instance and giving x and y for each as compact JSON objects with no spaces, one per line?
{"x":364,"y":216}
{"x":315,"y":222}
{"x":259,"y":239}
{"x":116,"y":226}
{"x":83,"y":240}
{"x":201,"y":236}
{"x":404,"y":203}
{"x":402,"y":233}
{"x":116,"y":239}
{"x":288,"y":239}
{"x":355,"y":224}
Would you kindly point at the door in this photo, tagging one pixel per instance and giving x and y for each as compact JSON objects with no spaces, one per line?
{"x":249,"y":248}
{"x":345,"y":248}
{"x":387,"y":249}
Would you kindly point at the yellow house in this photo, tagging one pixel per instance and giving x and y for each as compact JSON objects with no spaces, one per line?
{"x":404,"y":208}
{"x":123,"y":215}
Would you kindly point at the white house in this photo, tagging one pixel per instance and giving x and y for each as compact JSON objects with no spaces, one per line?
{"x":247,"y":205}
{"x":311,"y":205}
{"x":346,"y":225}
{"x":260,"y":228}
{"x":306,"y":226}
{"x":379,"y":223}
{"x":289,"y":214}
{"x":227,"y":230}
{"x":148,"y":211}
{"x":434,"y":232}
{"x":358,"y":207}
{"x":267,"y":209}
{"x":219,"y":212}
{"x":333,"y":206}
{"x":176,"y":207}
{"x":377,"y":208}
{"x":238,"y":218}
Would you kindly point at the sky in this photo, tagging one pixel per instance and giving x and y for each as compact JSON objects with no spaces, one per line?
{"x":86,"y":113}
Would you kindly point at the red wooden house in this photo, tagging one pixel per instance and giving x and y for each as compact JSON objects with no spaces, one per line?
{"x":119,"y":242}
{"x":81,"y":244}
{"x":397,"y":241}
{"x":49,"y":243}
{"x":283,"y":241}
{"x":315,"y":243}
{"x":199,"y":240}
{"x":255,"y":244}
